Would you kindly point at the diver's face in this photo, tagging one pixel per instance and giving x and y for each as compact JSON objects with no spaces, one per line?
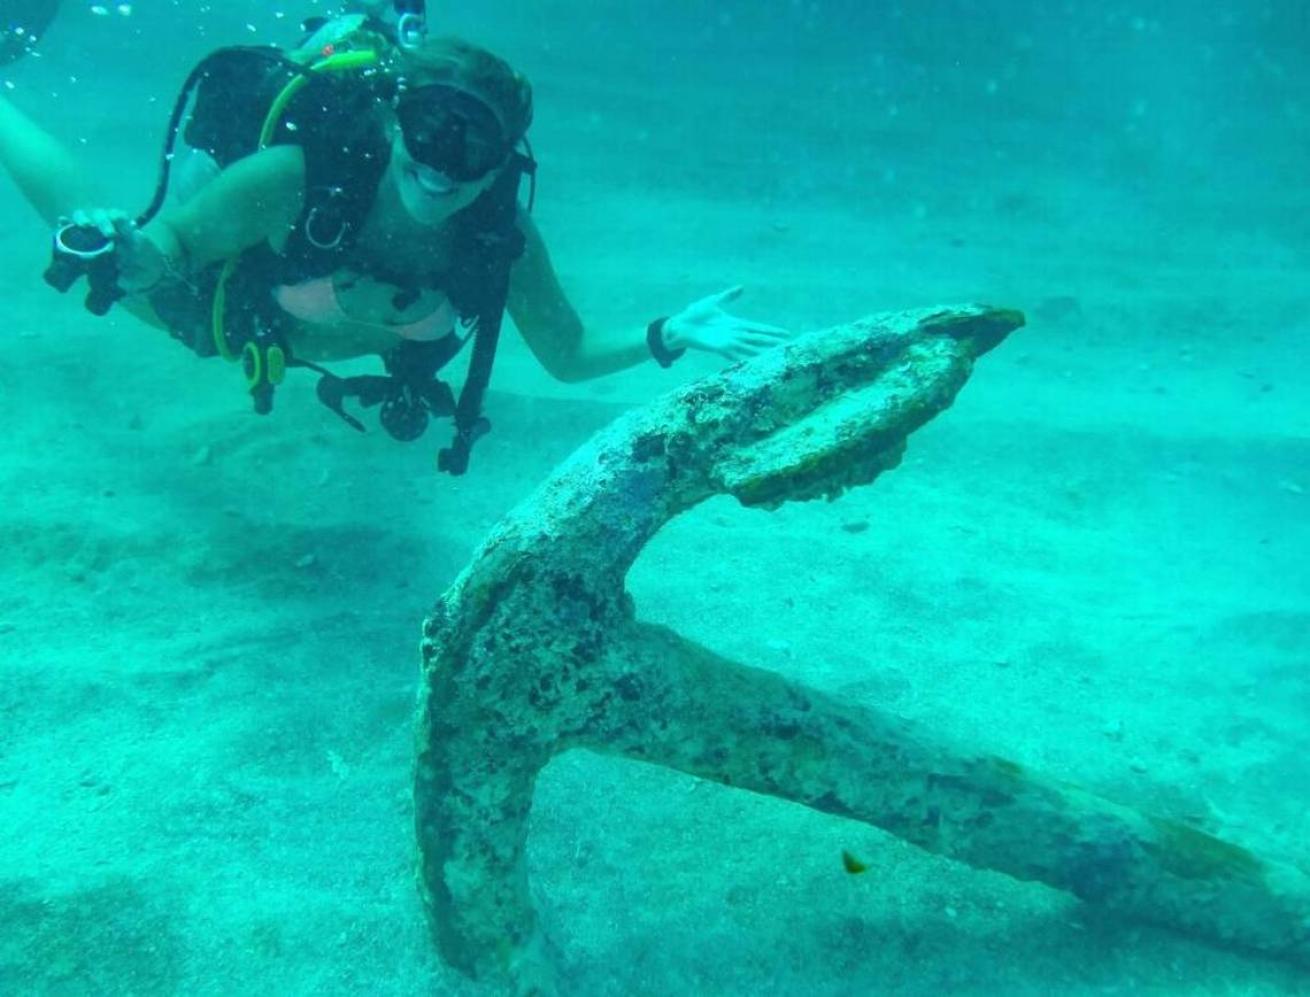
{"x":428,"y":195}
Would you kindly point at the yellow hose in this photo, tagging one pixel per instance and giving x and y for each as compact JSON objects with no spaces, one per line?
{"x":337,"y":62}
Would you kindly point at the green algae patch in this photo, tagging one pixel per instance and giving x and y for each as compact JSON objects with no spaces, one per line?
{"x":1192,"y":854}
{"x":1005,"y":767}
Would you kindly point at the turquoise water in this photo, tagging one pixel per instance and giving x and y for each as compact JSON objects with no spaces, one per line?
{"x":1095,"y":563}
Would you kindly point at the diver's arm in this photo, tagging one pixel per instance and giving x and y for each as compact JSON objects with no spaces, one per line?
{"x":46,"y":173}
{"x":256,"y":199}
{"x":552,"y":328}
{"x":569,"y":352}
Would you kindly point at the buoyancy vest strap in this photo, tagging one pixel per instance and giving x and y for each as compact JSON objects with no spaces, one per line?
{"x":470,"y":424}
{"x":337,"y":62}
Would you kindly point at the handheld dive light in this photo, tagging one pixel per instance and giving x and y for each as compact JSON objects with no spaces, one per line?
{"x":84,"y":251}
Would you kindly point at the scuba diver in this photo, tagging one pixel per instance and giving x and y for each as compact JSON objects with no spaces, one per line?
{"x":357,"y":195}
{"x":22,"y":24}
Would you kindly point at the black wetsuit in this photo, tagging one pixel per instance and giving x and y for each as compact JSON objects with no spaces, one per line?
{"x":22,"y":23}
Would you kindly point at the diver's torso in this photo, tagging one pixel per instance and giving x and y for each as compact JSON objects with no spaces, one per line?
{"x":368,"y":321}
{"x":354,"y":311}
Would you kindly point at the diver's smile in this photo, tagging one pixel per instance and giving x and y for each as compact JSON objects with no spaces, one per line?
{"x":433,"y":183}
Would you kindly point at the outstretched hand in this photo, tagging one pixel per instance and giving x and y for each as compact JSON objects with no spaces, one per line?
{"x":141,"y":263}
{"x":706,"y":325}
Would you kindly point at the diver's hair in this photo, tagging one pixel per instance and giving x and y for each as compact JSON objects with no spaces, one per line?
{"x":454,"y":60}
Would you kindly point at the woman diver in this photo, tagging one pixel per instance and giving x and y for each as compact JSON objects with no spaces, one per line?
{"x":362,"y":199}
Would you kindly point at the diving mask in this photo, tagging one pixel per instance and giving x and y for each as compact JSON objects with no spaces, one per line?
{"x":452,"y":131}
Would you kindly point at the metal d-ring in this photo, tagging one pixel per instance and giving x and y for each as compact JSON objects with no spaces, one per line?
{"x":314,"y":213}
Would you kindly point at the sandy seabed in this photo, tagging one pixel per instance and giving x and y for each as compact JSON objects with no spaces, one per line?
{"x":1095,"y":564}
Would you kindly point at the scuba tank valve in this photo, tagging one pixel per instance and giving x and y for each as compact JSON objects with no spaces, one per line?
{"x":411,"y":23}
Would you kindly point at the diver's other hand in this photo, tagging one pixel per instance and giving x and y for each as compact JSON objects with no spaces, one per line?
{"x":707,"y":325}
{"x":142,"y":264}
{"x":105,"y":220}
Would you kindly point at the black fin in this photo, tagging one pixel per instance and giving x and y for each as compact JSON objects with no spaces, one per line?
{"x":24,"y":23}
